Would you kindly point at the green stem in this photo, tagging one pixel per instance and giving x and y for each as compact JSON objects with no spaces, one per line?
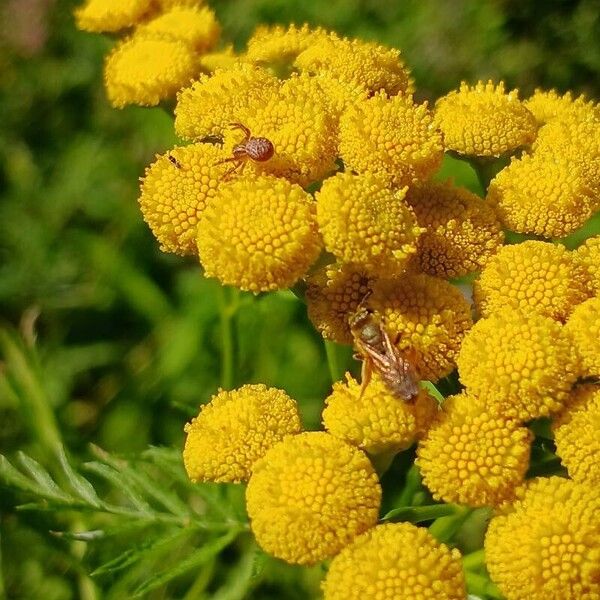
{"x":411,"y":485}
{"x":381,"y":462}
{"x":444,"y":528}
{"x":487,"y":168}
{"x":474,"y":560}
{"x":228,"y":305}
{"x":418,"y":514}
{"x":480,"y":585}
{"x":336,"y":371}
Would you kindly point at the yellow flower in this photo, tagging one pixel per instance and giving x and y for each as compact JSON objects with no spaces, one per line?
{"x":210,"y":104}
{"x":548,"y":105}
{"x":484,"y":120}
{"x":333,"y":294}
{"x":278,"y":44}
{"x":472,"y":455}
{"x":354,"y":61}
{"x":461,"y":230}
{"x":542,"y":195}
{"x":300,"y":125}
{"x":197,"y":27}
{"x":168,"y":4}
{"x":392,"y":137}
{"x":395,"y":561}
{"x":548,"y":546}
{"x":235,"y":429}
{"x":522,"y":364}
{"x":111,"y":15}
{"x":310,"y":496}
{"x":429,"y":317}
{"x":588,"y":256}
{"x":378,"y":422}
{"x":366,"y":223}
{"x":175,"y":194}
{"x":531,"y":276}
{"x":144,"y":71}
{"x":577,"y":435}
{"x":223,"y":59}
{"x":584,"y":327}
{"x":259,"y":234}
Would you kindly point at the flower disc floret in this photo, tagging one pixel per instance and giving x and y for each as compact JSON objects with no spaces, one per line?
{"x":472,"y":455}
{"x":395,"y":560}
{"x":374,"y":67}
{"x":210,"y":104}
{"x":531,"y":276}
{"x":542,"y":195}
{"x":548,"y":545}
{"x":577,"y":435}
{"x":142,"y":70}
{"x":235,"y":429}
{"x":174,"y":195}
{"x":484,"y":120}
{"x":429,"y":318}
{"x":310,"y":496}
{"x":378,"y":421}
{"x":392,"y":137}
{"x":333,"y":294}
{"x":366,"y":223}
{"x":259,"y":234}
{"x":197,"y":27}
{"x":588,"y":256}
{"x":549,"y":105}
{"x":111,"y":15}
{"x":522,"y":364}
{"x":584,"y":328}
{"x":461,"y":230}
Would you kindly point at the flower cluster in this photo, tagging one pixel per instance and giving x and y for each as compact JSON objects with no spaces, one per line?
{"x":309,"y":165}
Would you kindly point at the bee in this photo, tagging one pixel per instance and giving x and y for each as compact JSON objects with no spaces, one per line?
{"x":174,"y":161}
{"x":378,"y":353}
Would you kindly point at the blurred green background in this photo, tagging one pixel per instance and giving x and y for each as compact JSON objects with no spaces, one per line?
{"x":104,"y":339}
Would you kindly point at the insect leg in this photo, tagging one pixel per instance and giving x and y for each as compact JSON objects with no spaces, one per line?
{"x":365,"y":375}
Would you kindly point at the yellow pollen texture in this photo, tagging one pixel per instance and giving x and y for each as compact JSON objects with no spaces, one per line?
{"x":111,"y":15}
{"x":428,"y":316}
{"x":577,"y":435}
{"x":142,"y":70}
{"x":396,"y":561}
{"x":235,"y":429}
{"x":310,"y":496}
{"x":584,"y":328}
{"x":378,"y":421}
{"x":259,"y":234}
{"x":483,"y":120}
{"x":522,"y":364}
{"x":461,"y":230}
{"x":392,"y":137}
{"x":548,"y":546}
{"x":472,"y":455}
{"x":531,"y":276}
{"x":549,"y":105}
{"x":588,"y":256}
{"x":365,"y":223}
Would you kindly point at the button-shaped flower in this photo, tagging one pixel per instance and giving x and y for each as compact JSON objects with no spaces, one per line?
{"x":588,"y":256}
{"x":584,"y":328}
{"x":111,"y":15}
{"x":310,"y":496}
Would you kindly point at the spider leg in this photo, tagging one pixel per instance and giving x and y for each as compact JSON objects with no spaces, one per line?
{"x":243,"y":128}
{"x":239,"y":165}
{"x":226,"y":160}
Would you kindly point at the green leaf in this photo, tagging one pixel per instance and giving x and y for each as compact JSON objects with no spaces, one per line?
{"x":418,"y":514}
{"x":47,"y":486}
{"x":430,"y":387}
{"x":15,"y":479}
{"x":81,"y":486}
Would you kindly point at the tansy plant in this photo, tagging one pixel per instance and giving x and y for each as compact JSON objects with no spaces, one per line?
{"x":307,"y":164}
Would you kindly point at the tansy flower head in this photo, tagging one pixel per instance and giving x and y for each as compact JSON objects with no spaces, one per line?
{"x":142,"y":70}
{"x":484,"y":120}
{"x":354,"y":61}
{"x":549,"y":105}
{"x":461,"y":230}
{"x":235,"y":429}
{"x":366,"y":223}
{"x":549,"y":545}
{"x":168,"y":4}
{"x":395,"y":560}
{"x":197,"y":27}
{"x":259,"y":234}
{"x":278,"y":44}
{"x":471,"y":455}
{"x":378,"y":421}
{"x":532,"y":276}
{"x":210,"y":104}
{"x":223,"y":59}
{"x":428,"y":316}
{"x":542,"y":195}
{"x":175,"y":191}
{"x":310,"y":496}
{"x":577,"y":435}
{"x":392,"y":137}
{"x":584,"y":328}
{"x":588,"y":256}
{"x":111,"y":15}
{"x":522,"y":364}
{"x":298,"y":122}
{"x":333,"y":294}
